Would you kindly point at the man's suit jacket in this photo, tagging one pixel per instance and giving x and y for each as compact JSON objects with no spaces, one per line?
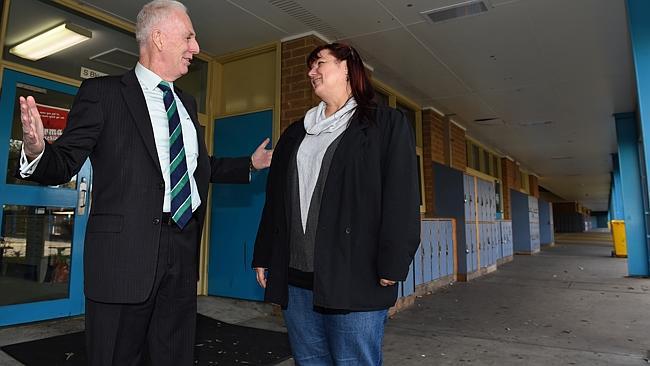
{"x":109,"y":122}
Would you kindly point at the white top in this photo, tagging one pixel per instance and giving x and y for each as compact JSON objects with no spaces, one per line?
{"x":321,"y":132}
{"x":154,"y":98}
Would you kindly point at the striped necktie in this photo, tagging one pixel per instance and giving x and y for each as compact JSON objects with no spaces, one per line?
{"x":181,"y":198}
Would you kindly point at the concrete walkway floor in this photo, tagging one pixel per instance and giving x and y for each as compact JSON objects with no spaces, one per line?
{"x":569,"y":305}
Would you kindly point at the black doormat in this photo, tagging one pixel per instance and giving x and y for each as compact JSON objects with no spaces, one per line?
{"x":217,"y":343}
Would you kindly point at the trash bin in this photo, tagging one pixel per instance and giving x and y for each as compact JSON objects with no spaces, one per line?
{"x":618,"y":234}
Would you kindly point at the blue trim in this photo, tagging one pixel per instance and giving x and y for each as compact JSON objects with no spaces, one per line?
{"x":618,"y":207}
{"x":42,"y":196}
{"x":639,"y":28}
{"x":631,"y":186}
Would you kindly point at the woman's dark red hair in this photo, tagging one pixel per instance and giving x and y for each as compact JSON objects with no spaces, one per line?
{"x":362,"y":89}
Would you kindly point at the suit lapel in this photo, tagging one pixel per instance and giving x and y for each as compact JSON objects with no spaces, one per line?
{"x":134,"y":98}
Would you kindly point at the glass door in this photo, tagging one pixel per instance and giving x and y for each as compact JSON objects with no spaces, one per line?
{"x":42,"y":227}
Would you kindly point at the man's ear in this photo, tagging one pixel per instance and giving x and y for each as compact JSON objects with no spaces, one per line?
{"x":158,"y":38}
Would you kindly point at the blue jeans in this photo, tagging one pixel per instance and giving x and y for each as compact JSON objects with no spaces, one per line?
{"x":332,"y":339}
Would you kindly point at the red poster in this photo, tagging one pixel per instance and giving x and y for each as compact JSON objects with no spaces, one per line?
{"x":54,"y":120}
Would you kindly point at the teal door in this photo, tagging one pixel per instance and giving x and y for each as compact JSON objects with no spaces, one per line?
{"x":237,"y":209}
{"x":42,"y":227}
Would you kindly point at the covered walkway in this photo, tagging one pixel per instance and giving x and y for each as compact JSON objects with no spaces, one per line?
{"x":569,"y":305}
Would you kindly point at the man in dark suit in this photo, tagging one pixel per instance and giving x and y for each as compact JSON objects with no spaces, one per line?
{"x":151,"y":174}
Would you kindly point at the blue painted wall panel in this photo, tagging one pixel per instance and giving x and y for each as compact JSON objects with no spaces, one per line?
{"x":520,"y":222}
{"x":236,"y":209}
{"x":449,"y":202}
{"x":545,"y":219}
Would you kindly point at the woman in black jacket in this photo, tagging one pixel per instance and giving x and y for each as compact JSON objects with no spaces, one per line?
{"x":341,"y":221}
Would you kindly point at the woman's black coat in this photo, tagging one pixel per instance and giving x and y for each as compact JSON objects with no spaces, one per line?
{"x":369,"y":220}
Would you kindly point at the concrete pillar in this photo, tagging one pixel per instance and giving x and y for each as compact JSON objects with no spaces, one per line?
{"x":638,"y":12}
{"x":631,"y":190}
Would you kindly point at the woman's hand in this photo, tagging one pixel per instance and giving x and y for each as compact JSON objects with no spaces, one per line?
{"x":384,"y":282}
{"x":261,"y":276}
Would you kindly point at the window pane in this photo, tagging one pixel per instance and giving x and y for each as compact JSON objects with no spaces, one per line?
{"x":476,"y":157}
{"x":35,"y":250}
{"x":53,"y":107}
{"x":195,"y":82}
{"x":486,"y":162}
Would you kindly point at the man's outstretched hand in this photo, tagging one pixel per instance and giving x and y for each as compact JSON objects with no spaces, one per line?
{"x":261,"y":158}
{"x":33,"y":143}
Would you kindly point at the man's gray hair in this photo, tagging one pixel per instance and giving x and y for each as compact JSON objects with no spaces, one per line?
{"x":151,"y":14}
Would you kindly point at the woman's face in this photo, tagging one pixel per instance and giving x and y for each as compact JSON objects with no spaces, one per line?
{"x":328,"y":75}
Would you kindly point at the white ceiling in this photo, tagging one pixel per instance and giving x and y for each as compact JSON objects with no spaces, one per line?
{"x":553,"y":71}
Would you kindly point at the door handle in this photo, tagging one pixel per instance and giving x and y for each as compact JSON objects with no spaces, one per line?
{"x":82,"y":196}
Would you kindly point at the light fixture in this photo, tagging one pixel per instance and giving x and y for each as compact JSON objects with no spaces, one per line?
{"x":51,"y":41}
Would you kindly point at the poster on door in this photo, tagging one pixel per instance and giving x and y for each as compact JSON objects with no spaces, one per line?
{"x":54,"y":120}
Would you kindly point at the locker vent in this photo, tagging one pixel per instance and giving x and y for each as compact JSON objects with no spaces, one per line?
{"x":535,"y":123}
{"x":295,"y":10}
{"x":492,"y":121}
{"x":460,"y":10}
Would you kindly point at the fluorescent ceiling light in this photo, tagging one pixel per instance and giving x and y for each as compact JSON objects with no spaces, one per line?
{"x":52,"y":41}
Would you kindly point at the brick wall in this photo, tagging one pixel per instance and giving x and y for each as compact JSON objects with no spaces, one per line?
{"x":297,"y":95}
{"x":510,"y":174}
{"x":533,"y":184}
{"x":458,"y":148}
{"x":437,"y":136}
{"x":432,"y":150}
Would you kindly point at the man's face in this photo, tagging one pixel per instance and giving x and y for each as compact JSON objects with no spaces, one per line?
{"x":179,"y":45}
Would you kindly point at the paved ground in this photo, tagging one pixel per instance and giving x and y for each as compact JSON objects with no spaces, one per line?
{"x":569,"y":305}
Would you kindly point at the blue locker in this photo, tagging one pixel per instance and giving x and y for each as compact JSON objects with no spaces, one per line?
{"x":417,"y":266}
{"x":442,"y":247}
{"x":473,"y":248}
{"x":427,"y":237}
{"x":435,"y":251}
{"x":408,"y":286}
{"x":500,"y":242}
{"x":480,"y":246}
{"x":449,"y":240}
{"x":445,"y":251}
{"x":488,"y":243}
{"x":471,"y":194}
{"x":496,"y":240}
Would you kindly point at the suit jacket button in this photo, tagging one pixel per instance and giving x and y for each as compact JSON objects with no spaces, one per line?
{"x":156,"y":221}
{"x":347,"y":230}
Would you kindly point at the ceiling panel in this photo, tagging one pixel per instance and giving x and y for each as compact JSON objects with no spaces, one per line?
{"x":495,"y":50}
{"x":352,"y":18}
{"x":215,"y":23}
{"x":418,"y":68}
{"x":581,"y":38}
